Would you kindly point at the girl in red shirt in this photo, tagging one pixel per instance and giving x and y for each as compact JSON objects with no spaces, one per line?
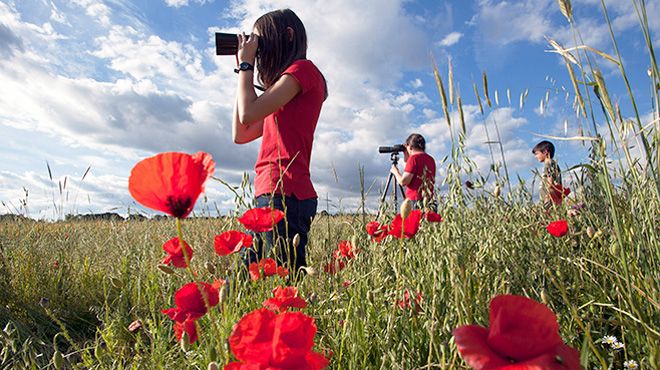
{"x":285,"y":117}
{"x":419,"y":175}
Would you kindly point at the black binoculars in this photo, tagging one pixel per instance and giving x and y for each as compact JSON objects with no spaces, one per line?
{"x":227,"y":43}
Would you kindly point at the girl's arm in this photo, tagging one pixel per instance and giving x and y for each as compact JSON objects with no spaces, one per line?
{"x":245,"y":133}
{"x":250,"y":109}
{"x":401,"y":179}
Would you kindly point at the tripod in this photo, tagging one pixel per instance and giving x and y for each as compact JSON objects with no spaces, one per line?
{"x":394,"y":157}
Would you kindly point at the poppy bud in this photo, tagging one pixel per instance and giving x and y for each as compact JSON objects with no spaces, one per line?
{"x":166,"y":269}
{"x":311,"y":271}
{"x":590,"y":232}
{"x":406,"y":207}
{"x":58,"y":359}
{"x":296,"y":240}
{"x":210,"y":266}
{"x":497,"y":191}
{"x":469,"y":184}
{"x":224,"y":293}
{"x":213,"y":366}
{"x":135,"y":326}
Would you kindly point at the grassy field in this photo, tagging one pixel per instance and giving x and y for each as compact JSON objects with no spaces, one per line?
{"x":74,"y":287}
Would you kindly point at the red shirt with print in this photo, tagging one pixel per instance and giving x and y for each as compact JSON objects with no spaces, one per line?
{"x":422,"y":167}
{"x":288,"y":133}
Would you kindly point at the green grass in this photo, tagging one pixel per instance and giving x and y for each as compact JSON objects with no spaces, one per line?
{"x":107,"y":277}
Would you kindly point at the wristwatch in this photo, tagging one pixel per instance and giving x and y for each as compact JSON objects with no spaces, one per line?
{"x":244,"y":66}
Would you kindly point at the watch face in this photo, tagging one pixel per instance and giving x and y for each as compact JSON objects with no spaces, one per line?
{"x":245,"y":66}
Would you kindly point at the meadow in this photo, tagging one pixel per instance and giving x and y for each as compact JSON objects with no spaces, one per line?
{"x":89,"y":294}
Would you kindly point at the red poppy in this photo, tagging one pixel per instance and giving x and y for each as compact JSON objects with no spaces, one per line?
{"x":346,"y":283}
{"x":334,"y":266}
{"x":263,"y":339}
{"x":261,"y":220}
{"x":558,"y":228}
{"x":432,"y":217}
{"x":410,"y":225}
{"x":284,"y":298}
{"x":282,"y":271}
{"x":558,"y":193}
{"x":171,"y":182}
{"x":410,"y":304}
{"x":175,"y":253}
{"x":377,"y":231}
{"x":253,"y":270}
{"x":523,"y":334}
{"x":269,"y":268}
{"x":345,"y":249}
{"x":189,"y":327}
{"x":231,"y":242}
{"x":190,"y":303}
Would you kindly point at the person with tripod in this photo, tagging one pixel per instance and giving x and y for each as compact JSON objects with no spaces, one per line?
{"x":418,"y":176}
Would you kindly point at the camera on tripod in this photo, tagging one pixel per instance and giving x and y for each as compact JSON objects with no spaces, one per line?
{"x":398,"y":148}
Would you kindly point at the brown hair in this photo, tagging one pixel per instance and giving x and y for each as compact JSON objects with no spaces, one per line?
{"x":544,"y":146}
{"x":416,"y":141}
{"x":277,"y":49}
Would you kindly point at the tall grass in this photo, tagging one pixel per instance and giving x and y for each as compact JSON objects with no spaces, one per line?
{"x":75,"y":287}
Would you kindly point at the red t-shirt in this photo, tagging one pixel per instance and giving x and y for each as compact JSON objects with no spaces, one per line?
{"x":422,"y":167}
{"x":286,"y":147}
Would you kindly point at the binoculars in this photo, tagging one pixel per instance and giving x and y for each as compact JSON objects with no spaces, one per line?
{"x":227,"y":43}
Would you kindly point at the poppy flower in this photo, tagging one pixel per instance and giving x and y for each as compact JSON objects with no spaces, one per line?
{"x":282,"y":271}
{"x":231,"y":242}
{"x":558,"y":193}
{"x":334,"y":266}
{"x":523,"y":334}
{"x":190,"y":303}
{"x":261,"y":220}
{"x":432,"y":217}
{"x":284,"y":298}
{"x":558,"y":228}
{"x":407,"y":303}
{"x":170,"y":182}
{"x":263,"y":339}
{"x":345,"y":249}
{"x":269,"y":268}
{"x":377,"y":231}
{"x":175,"y":255}
{"x":189,"y":327}
{"x":406,"y":228}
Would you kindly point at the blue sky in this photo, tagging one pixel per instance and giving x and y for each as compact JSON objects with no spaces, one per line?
{"x":104,"y":83}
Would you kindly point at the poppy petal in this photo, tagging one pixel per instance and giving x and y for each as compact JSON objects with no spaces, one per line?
{"x":472,"y":345}
{"x":558,"y":228}
{"x":261,"y":219}
{"x":251,"y":340}
{"x":521,"y":328}
{"x":231,"y":242}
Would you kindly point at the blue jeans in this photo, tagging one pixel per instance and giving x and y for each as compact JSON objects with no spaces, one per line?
{"x":297,"y":220}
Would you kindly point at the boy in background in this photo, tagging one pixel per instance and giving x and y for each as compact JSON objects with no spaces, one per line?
{"x":552,"y":190}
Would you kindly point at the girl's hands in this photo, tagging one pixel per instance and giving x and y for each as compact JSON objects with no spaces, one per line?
{"x":247,"y":47}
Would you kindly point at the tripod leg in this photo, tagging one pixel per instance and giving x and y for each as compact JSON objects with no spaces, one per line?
{"x":382,"y":198}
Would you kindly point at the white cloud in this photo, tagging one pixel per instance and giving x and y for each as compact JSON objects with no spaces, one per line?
{"x":451,"y":39}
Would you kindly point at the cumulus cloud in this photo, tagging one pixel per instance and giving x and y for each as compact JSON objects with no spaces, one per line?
{"x":451,"y":39}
